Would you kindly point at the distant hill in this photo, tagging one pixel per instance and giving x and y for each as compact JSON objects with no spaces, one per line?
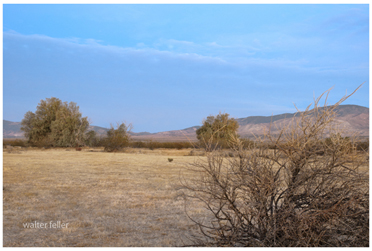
{"x":12,"y":129}
{"x":187,"y":134}
{"x":353,"y":118}
{"x":102,"y":131}
{"x":99,"y":130}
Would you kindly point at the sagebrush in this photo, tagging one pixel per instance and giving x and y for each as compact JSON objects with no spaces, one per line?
{"x":304,"y":192}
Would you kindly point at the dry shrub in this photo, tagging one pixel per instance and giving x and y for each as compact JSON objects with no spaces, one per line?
{"x":286,"y":196}
{"x":156,"y":145}
{"x":44,"y":143}
{"x":363,"y":146}
{"x":117,"y":139}
{"x":15,"y":142}
{"x":197,"y":153}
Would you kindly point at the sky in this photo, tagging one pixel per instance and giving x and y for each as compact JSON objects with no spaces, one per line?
{"x":167,"y":67}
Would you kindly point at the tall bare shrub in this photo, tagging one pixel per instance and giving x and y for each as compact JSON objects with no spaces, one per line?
{"x":302,"y":193}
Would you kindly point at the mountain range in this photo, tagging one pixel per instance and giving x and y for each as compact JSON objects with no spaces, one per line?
{"x":352,"y":118}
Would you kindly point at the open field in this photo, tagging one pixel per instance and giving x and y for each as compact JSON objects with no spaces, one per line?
{"x":107,"y":199}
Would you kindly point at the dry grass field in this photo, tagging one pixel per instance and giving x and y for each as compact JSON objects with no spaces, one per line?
{"x":104,"y":199}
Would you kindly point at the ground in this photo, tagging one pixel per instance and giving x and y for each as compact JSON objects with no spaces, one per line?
{"x":104,"y":199}
{"x":64,"y":197}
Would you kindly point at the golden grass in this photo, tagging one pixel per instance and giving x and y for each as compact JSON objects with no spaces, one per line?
{"x":107,"y":199}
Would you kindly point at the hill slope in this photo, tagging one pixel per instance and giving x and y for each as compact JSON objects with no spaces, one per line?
{"x":353,"y":118}
{"x":12,"y":129}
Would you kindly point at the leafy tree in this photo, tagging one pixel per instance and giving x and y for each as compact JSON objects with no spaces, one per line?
{"x":55,"y":123}
{"x":217,"y":130}
{"x":91,"y":138}
{"x":28,"y":126}
{"x":117,"y":138}
{"x":37,"y":126}
{"x":69,"y":127}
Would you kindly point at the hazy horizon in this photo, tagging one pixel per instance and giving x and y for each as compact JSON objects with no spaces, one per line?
{"x":177,"y":129}
{"x":166,"y":67}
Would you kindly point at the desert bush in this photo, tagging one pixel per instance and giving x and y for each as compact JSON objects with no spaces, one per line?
{"x":337,"y":141}
{"x":117,"y":139}
{"x":175,"y":145}
{"x":269,"y":145}
{"x":45,"y":143}
{"x":288,"y":196}
{"x":152,"y":145}
{"x":156,"y":145}
{"x":197,"y":153}
{"x":15,"y":142}
{"x":182,"y":145}
{"x":138,"y":144}
{"x":247,"y":143}
{"x":362,"y":146}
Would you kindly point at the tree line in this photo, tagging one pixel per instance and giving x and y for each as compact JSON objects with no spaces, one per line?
{"x":61,"y":124}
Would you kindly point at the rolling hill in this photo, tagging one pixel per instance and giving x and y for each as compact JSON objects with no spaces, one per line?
{"x":352,"y":118}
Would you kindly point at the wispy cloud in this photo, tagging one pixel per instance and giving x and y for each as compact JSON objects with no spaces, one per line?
{"x":351,"y":20}
{"x":152,"y":79}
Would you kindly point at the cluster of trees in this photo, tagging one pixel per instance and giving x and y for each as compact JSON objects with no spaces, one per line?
{"x":60,"y":124}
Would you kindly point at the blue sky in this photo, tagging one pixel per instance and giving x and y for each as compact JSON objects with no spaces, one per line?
{"x":166,"y":67}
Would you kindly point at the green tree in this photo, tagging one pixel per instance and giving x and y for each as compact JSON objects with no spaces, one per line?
{"x":37,"y":126}
{"x":55,"y":123}
{"x":69,"y":127}
{"x":91,"y":138}
{"x":117,"y":138}
{"x":217,"y":130}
